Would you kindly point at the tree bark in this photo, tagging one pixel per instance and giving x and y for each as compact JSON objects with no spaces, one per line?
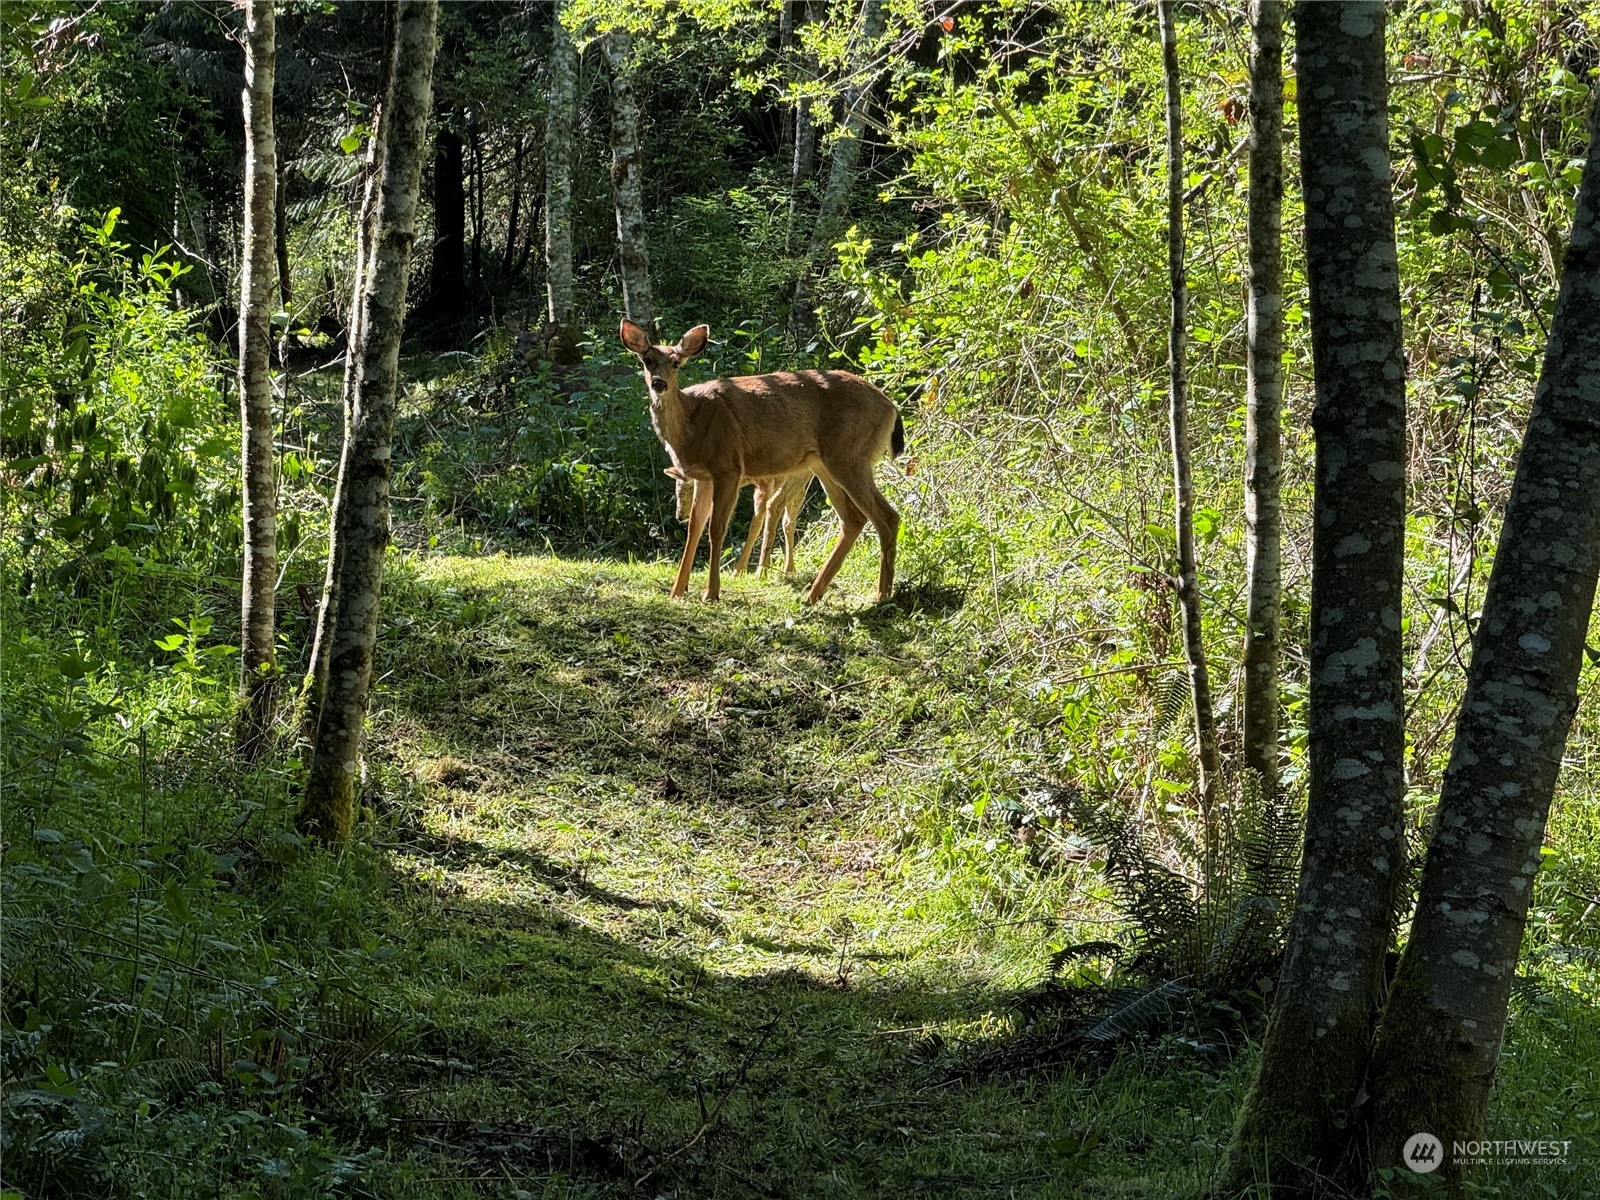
{"x":841,"y":175}
{"x":478,"y":186}
{"x":258,"y":677}
{"x":362,"y":518}
{"x":1205,"y":722}
{"x":1319,"y":1038}
{"x":316,"y":681}
{"x":558,"y":174}
{"x":1264,"y":404}
{"x":627,"y":180}
{"x":1440,"y":1036}
{"x":281,"y":237}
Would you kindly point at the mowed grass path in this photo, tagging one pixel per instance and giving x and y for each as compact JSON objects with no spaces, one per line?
{"x":680,"y":910}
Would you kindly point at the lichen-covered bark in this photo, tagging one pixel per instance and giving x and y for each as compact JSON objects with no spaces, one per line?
{"x":558,"y":172}
{"x":1264,"y":405}
{"x":362,"y":517}
{"x":316,"y":681}
{"x":841,"y":171}
{"x":1440,"y":1036}
{"x":258,"y":678}
{"x":1178,"y":411}
{"x":1316,"y":1047}
{"x":627,"y":179}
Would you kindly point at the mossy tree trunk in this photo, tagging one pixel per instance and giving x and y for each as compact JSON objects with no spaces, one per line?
{"x":1264,"y":403}
{"x":561,"y":103}
{"x":1440,"y":1036}
{"x":316,"y":681}
{"x":362,"y":517}
{"x":1318,"y":1040}
{"x":258,"y":677}
{"x":841,"y":173}
{"x":1205,"y":723}
{"x":627,"y":181}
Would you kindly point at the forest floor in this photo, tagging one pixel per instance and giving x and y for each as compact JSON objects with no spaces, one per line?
{"x":652,"y":898}
{"x":680,"y":908}
{"x":667,"y":897}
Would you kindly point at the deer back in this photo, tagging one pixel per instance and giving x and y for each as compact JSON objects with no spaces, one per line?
{"x":767,"y":425}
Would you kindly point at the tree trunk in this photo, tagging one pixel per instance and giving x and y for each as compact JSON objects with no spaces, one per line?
{"x":478,"y":184}
{"x":280,"y":223}
{"x":316,"y":681}
{"x":628,"y":182}
{"x":1317,"y":1043}
{"x":1205,"y":723}
{"x":1440,"y":1036}
{"x":447,"y":280}
{"x":804,"y":154}
{"x":1264,"y":405}
{"x":841,"y":174}
{"x":362,"y":518}
{"x":558,"y":174}
{"x":258,"y":677}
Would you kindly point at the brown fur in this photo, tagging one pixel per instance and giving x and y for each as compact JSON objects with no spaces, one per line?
{"x":831,"y":423}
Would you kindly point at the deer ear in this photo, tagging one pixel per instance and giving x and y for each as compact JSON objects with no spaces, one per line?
{"x":674,"y":473}
{"x":634,"y":337}
{"x":514,"y":325}
{"x":693,"y":342}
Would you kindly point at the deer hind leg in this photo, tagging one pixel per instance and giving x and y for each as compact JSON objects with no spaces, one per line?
{"x":761,"y":504}
{"x":851,"y":522}
{"x":857,"y":482}
{"x":699,"y":514}
{"x":791,"y":525}
{"x":724,"y":495}
{"x":769,"y":527}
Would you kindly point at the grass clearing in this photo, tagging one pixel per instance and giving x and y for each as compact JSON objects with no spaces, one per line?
{"x":650,"y":898}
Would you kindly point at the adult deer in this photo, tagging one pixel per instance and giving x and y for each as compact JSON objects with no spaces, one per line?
{"x":832,"y":423}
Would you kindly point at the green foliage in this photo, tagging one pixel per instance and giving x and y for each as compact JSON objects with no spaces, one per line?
{"x":110,"y":425}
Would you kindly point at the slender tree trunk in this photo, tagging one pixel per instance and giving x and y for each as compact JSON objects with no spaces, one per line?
{"x":627,"y":179}
{"x":447,"y":280}
{"x":1440,"y":1037}
{"x":478,"y":182}
{"x":1263,"y":409}
{"x":1205,"y":722}
{"x":1319,"y":1038}
{"x":804,"y":155}
{"x":316,"y":681}
{"x":328,"y":810}
{"x":281,"y":238}
{"x":841,"y":175}
{"x":558,"y":175}
{"x":258,"y":678}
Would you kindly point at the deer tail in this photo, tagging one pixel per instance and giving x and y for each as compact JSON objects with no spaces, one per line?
{"x":897,"y":440}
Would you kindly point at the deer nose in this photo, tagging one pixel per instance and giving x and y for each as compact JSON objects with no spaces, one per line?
{"x":657,"y":384}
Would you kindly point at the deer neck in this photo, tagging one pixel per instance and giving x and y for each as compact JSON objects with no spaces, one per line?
{"x":670,"y":416}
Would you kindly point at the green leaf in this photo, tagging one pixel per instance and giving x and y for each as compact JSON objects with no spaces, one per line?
{"x":172,"y":641}
{"x":349,"y":143}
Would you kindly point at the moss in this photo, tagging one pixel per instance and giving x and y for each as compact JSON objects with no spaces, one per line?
{"x":1294,"y":1127}
{"x":1419,"y":1083}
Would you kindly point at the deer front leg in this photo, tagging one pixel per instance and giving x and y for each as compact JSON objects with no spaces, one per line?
{"x":724,"y":494}
{"x":699,"y":514}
